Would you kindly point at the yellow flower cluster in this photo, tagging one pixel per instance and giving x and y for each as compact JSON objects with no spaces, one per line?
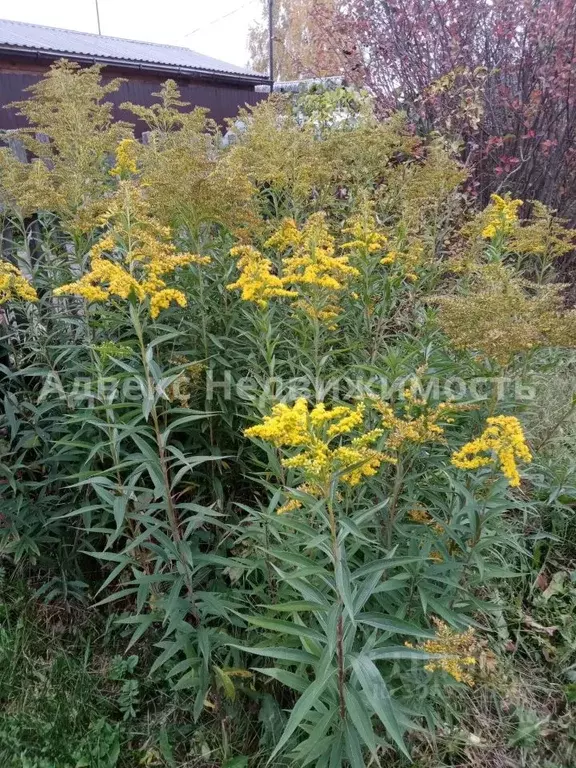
{"x":286,"y":426}
{"x":105,"y":279}
{"x":286,"y":236}
{"x":420,"y":423}
{"x":13,"y":284}
{"x":458,"y":649}
{"x":162,"y":299}
{"x":311,"y":273}
{"x":290,"y":506}
{"x":502,"y":443}
{"x":408,"y":256}
{"x":256,"y":281}
{"x":125,"y":159}
{"x":422,"y":517}
{"x":500,"y":217}
{"x":144,"y":256}
{"x":313,"y":430}
{"x":313,"y":261}
{"x":545,"y":235}
{"x":363,"y":229}
{"x":344,"y":419}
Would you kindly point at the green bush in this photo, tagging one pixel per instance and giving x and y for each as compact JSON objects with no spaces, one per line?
{"x":261,"y":404}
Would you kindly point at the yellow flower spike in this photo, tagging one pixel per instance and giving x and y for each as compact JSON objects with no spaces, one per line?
{"x":407,"y":256}
{"x":140,"y":272}
{"x":503,"y":315}
{"x":364,"y":232}
{"x":501,"y":444}
{"x":285,"y":426}
{"x":312,"y":273}
{"x":257,"y":283}
{"x":419,"y":516}
{"x":105,"y":279}
{"x":125,"y":159}
{"x":416,"y":429}
{"x":347,"y":421}
{"x":459,"y":649}
{"x":313,"y":269}
{"x":287,"y":236}
{"x":313,"y":431}
{"x":500,"y":217}
{"x":13,"y":284}
{"x":162,"y":300}
{"x":390,"y":258}
{"x":289,"y":506}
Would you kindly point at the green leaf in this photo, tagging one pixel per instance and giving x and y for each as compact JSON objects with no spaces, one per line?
{"x":379,"y":566}
{"x":225,"y":682}
{"x":165,"y":747}
{"x":285,"y":627}
{"x":394,"y":625}
{"x":236,"y":762}
{"x":278,"y":652}
{"x":353,"y":747}
{"x":342,"y":575}
{"x":378,"y":696}
{"x":309,"y":699}
{"x":289,"y":679}
{"x":295,"y":605}
{"x":393,"y":652}
{"x":360,"y":718}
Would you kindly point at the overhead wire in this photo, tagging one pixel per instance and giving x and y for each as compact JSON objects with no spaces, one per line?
{"x":217,"y":20}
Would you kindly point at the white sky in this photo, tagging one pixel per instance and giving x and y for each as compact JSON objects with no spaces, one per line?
{"x":195,"y":24}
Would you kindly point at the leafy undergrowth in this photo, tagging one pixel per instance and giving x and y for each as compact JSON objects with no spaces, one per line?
{"x":71,"y":697}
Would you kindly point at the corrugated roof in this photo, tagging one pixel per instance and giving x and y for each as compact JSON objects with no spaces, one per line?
{"x":19,"y":35}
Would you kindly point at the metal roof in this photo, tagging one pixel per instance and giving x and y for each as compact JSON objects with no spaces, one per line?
{"x":18,"y":36}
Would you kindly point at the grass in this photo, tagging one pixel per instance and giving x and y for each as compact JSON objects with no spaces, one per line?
{"x":70,"y":699}
{"x":57,"y":706}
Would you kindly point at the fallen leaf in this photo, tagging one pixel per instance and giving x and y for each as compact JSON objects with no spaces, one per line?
{"x":542,"y":580}
{"x":556,"y":586}
{"x":532,"y":624}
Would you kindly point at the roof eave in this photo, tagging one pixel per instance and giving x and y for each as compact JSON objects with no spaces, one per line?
{"x":153,"y":67}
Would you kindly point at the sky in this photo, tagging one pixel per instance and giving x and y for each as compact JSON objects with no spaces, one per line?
{"x":218,"y":28}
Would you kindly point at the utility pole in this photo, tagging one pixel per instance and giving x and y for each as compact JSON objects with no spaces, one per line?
{"x":271,"y":42}
{"x":98,"y":17}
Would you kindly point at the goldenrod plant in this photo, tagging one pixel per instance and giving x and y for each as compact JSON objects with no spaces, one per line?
{"x":14,"y":285}
{"x":260,"y":409}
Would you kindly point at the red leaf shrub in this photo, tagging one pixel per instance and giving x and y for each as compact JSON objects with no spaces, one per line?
{"x":499,"y":75}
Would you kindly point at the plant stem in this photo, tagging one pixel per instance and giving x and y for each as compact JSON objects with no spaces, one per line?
{"x":340,"y":623}
{"x":340,"y":658}
{"x":170,"y":507}
{"x":398,"y":478}
{"x":204,"y":314}
{"x":316,"y":356}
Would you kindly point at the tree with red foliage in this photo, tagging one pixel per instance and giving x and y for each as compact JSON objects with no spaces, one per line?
{"x":499,"y":75}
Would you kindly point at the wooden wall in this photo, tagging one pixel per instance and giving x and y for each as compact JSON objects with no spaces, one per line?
{"x":223,"y":99}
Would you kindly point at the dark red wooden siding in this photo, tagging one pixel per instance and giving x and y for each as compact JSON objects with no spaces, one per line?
{"x":223,"y":99}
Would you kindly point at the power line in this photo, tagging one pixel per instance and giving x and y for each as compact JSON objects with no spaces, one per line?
{"x":217,"y":20}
